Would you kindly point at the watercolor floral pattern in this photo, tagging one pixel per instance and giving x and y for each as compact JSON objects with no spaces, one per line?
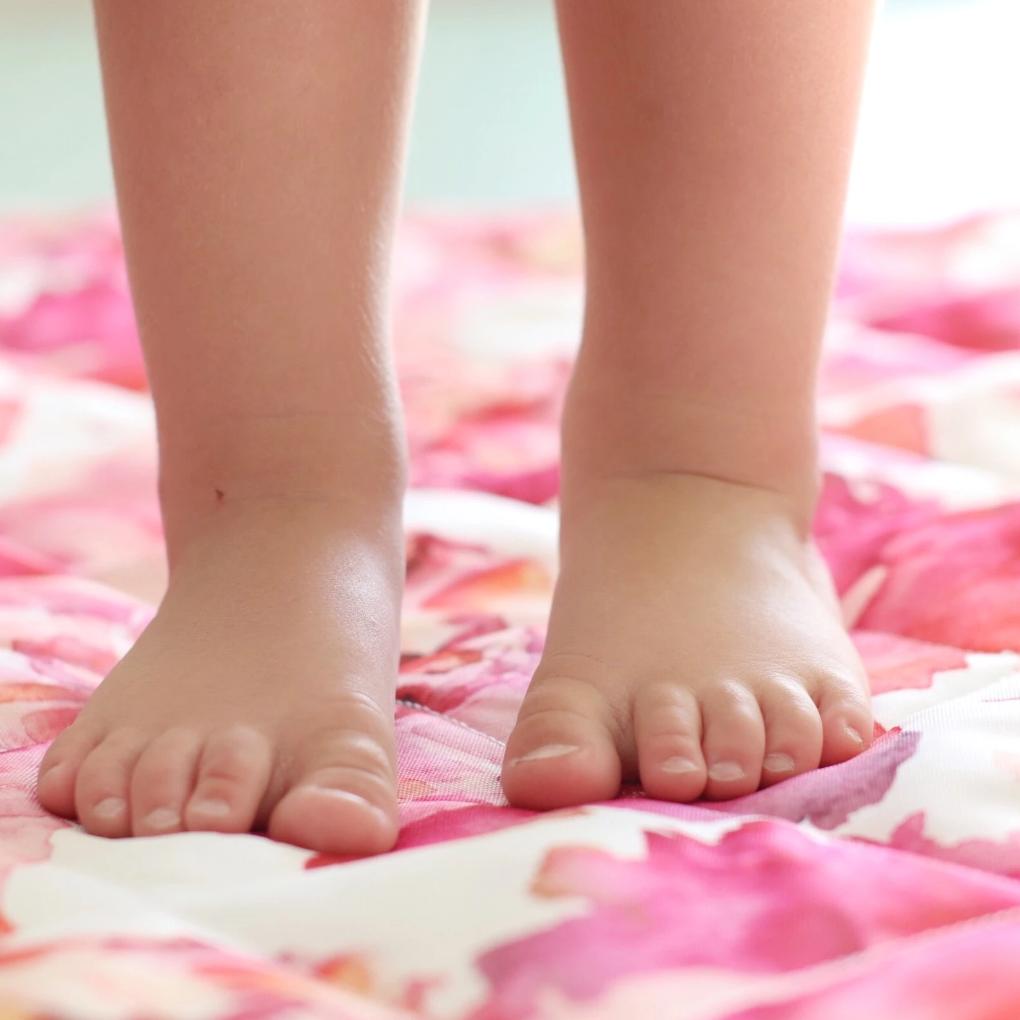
{"x":884,"y":886}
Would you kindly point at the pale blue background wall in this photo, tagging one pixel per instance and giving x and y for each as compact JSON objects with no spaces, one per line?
{"x":491,"y":121}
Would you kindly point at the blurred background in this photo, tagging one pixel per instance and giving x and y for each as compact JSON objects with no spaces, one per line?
{"x":491,"y":123}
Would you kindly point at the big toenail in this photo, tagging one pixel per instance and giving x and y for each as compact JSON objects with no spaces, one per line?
{"x":778,"y":763}
{"x":726,"y":771}
{"x":853,"y":734}
{"x":679,"y":764}
{"x":163,"y":818}
{"x":362,"y":802}
{"x":214,"y":808}
{"x":111,"y":807}
{"x":547,"y":751}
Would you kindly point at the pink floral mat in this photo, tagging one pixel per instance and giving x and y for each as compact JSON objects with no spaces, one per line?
{"x":885,"y":887}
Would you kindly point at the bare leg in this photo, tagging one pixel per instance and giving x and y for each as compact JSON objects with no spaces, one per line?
{"x":695,"y":641}
{"x":258,"y":148}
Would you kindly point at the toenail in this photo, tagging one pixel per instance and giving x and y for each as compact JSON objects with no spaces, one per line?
{"x":362,"y":802}
{"x":726,"y":771}
{"x":547,"y":751}
{"x":163,"y":818}
{"x":214,"y":808}
{"x":853,"y":733}
{"x":51,"y":774}
{"x":679,"y":764}
{"x":109,"y":808}
{"x":777,"y":762}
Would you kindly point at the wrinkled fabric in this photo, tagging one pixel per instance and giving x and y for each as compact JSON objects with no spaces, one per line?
{"x":886,"y":886}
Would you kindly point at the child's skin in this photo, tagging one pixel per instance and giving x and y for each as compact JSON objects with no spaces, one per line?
{"x":695,"y":641}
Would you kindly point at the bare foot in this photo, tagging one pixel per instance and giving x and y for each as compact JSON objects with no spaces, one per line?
{"x":260,"y":696}
{"x":695,"y":643}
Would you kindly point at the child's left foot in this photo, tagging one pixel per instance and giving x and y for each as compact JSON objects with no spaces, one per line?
{"x":695,"y":643}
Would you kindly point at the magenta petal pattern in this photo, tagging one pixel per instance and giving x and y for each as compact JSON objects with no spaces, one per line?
{"x":888,"y":886}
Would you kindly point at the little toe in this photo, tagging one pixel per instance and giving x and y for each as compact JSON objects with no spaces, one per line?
{"x":561,"y":751}
{"x":162,"y":782}
{"x":847,"y":722}
{"x":667,"y":730}
{"x":734,"y":740}
{"x":793,"y":731}
{"x":102,"y":789}
{"x":232,"y":775}
{"x":344,"y":801}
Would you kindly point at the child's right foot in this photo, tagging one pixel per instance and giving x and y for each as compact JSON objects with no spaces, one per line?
{"x":260,"y":695}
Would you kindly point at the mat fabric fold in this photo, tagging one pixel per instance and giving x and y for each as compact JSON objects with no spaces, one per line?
{"x":887,"y":886}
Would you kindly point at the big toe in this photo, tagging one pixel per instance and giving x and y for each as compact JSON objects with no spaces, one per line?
{"x":562,"y":751}
{"x":343,"y":800}
{"x":58,"y":772}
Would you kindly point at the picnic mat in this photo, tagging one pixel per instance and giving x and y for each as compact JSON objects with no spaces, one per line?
{"x":888,"y":886}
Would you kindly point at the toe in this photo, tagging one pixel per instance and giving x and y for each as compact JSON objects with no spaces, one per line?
{"x":344,"y":799}
{"x":102,"y":789}
{"x":162,"y":781}
{"x":58,"y":773}
{"x":793,"y":731}
{"x":734,"y":740}
{"x":847,"y":725}
{"x":232,"y":775}
{"x":667,"y":731}
{"x":562,"y":751}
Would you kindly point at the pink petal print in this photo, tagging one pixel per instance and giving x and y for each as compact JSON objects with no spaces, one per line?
{"x":443,"y":826}
{"x":904,"y":426}
{"x":44,"y":725}
{"x":895,"y":663}
{"x":971,"y":560}
{"x":17,"y":560}
{"x":984,"y":320}
{"x":852,"y":530}
{"x":72,"y":650}
{"x":1001,"y":857}
{"x":824,"y":797}
{"x":967,"y":973}
{"x":766,"y":898}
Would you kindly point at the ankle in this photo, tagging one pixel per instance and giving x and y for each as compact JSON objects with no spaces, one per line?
{"x":291,"y":538}
{"x":296,"y":478}
{"x":612,"y":430}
